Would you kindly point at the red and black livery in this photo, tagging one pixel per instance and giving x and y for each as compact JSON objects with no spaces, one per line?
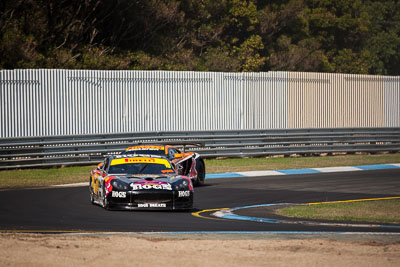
{"x":134,"y":181}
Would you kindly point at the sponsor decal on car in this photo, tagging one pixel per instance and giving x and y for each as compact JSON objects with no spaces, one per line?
{"x":107,"y":182}
{"x":184,"y":193}
{"x":118,"y":194}
{"x":151,"y":185}
{"x":193,"y":171}
{"x":152,"y":205}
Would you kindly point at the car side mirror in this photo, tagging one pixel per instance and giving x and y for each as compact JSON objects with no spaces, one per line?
{"x":99,"y":166}
{"x":178,"y":155}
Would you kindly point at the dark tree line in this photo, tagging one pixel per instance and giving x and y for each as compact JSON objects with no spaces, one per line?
{"x":348,"y":36}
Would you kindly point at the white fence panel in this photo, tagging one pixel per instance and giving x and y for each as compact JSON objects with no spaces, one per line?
{"x":69,"y":102}
{"x":392,"y":101}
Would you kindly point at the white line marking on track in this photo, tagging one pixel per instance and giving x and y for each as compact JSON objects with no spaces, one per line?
{"x":337,"y":169}
{"x":260,"y":173}
{"x":72,"y":185}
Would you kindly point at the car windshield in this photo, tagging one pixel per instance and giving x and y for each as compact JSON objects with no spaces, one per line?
{"x":144,"y":151}
{"x":140,"y":166}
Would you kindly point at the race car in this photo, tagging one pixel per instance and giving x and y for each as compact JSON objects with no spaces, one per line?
{"x":189,"y":164}
{"x":139,"y":182}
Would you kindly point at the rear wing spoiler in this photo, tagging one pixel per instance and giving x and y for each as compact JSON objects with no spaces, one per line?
{"x":175,"y":143}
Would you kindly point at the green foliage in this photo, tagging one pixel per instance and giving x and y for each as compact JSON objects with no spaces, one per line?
{"x":248,"y":53}
{"x":347,"y":36}
{"x":347,"y":61}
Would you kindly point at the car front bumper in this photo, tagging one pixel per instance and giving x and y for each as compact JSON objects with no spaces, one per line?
{"x":150,"y":200}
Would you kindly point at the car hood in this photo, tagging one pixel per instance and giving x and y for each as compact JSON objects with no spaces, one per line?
{"x":148,"y":178}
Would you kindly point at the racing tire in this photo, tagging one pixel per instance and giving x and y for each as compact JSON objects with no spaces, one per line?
{"x":201,"y":172}
{"x":106,"y":204}
{"x":91,"y":191}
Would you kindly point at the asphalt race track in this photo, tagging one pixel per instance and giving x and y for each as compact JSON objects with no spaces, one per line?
{"x":69,"y":209}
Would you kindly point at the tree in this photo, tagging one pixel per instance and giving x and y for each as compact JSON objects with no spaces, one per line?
{"x":350,"y":36}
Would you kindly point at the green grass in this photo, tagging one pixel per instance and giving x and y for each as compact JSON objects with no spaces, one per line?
{"x":282,"y":163}
{"x":376,"y":211}
{"x":45,"y":177}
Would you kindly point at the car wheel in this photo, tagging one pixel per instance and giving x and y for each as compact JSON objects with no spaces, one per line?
{"x":106,"y":204}
{"x":201,"y":172}
{"x":91,"y":191}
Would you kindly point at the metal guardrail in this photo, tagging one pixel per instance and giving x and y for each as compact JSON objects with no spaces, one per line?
{"x":47,"y":151}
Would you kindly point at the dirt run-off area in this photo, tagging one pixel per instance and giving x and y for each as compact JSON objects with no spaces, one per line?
{"x":125,"y":250}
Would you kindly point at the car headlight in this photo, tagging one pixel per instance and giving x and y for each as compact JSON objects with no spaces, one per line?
{"x":118,"y":185}
{"x":181,"y":185}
